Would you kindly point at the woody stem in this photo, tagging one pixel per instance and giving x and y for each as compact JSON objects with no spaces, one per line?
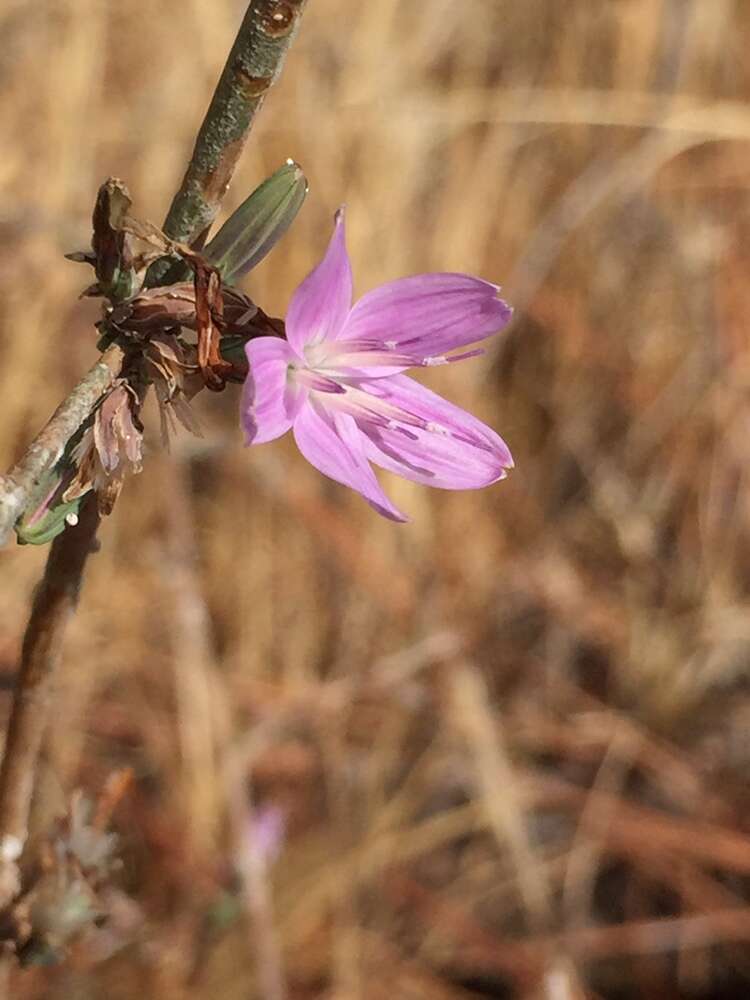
{"x":253,"y":66}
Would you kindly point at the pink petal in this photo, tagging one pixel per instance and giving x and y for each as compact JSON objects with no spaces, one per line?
{"x":321,"y":304}
{"x":358,"y":359}
{"x":270,"y":398}
{"x":427,"y":315}
{"x":436,"y":443}
{"x":335,"y":446}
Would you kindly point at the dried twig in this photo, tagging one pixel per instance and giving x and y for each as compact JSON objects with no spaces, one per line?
{"x":54,"y":604}
{"x":499,"y":789}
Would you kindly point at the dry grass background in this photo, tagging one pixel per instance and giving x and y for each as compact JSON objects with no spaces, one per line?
{"x":505,"y":748}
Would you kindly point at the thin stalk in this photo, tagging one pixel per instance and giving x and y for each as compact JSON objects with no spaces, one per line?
{"x":54,"y":604}
{"x":254,"y":64}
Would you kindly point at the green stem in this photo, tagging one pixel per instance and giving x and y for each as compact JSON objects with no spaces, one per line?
{"x":254,"y":64}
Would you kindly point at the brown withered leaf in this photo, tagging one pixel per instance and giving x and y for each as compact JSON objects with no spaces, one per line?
{"x":209,"y":309}
{"x":173,"y":370}
{"x":156,"y":310}
{"x":109,"y":449}
{"x":109,"y":242}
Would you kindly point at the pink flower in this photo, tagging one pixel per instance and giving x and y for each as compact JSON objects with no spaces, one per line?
{"x":337,"y":380}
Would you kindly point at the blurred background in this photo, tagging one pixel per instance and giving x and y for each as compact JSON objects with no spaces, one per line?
{"x":501,"y":751}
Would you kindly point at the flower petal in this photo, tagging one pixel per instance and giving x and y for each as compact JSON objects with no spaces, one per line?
{"x":357,"y":359}
{"x":437,"y":443}
{"x":427,"y":315}
{"x":321,"y":304}
{"x":270,"y":399}
{"x":334,"y":445}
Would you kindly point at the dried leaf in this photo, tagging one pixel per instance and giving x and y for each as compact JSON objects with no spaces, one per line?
{"x":209,"y":308}
{"x":174,"y":373}
{"x":116,"y":276}
{"x":109,"y":449}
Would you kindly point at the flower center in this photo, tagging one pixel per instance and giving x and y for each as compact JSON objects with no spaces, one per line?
{"x":316,"y":354}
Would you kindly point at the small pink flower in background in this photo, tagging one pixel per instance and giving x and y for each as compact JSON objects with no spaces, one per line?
{"x":266,"y":832}
{"x":337,"y":380}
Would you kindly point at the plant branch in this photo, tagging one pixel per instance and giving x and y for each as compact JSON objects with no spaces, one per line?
{"x":254,"y":64}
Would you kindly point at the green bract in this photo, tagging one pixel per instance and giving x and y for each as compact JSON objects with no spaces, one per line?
{"x":49,"y":525}
{"x":257,"y":225}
